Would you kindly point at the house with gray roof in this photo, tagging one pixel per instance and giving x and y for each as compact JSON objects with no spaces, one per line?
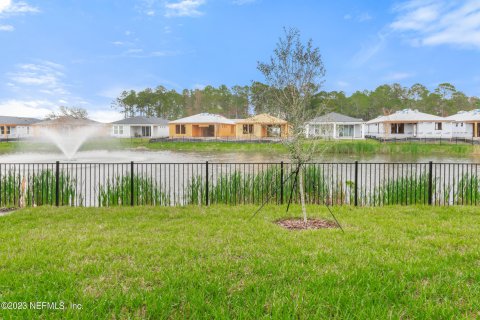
{"x":16,"y":127}
{"x":335,"y":126}
{"x":139,"y":126}
{"x":408,"y":123}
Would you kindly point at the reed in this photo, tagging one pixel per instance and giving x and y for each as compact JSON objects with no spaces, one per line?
{"x":21,"y":189}
{"x":257,"y":187}
{"x":117,"y":191}
{"x":401,"y":191}
{"x":468,"y":190}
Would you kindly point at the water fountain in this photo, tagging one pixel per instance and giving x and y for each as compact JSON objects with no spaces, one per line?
{"x":71,"y":140}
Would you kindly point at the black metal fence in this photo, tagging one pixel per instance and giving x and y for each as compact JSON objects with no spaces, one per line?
{"x":173,"y":184}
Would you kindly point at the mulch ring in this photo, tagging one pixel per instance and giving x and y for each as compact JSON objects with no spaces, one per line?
{"x":312,"y":224}
{"x":5,"y":211}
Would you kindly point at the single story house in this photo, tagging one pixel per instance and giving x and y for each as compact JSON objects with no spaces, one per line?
{"x":139,"y":126}
{"x":67,"y":125}
{"x":261,"y":126}
{"x":202,"y":125}
{"x":336,"y":126}
{"x":466,"y":124}
{"x":16,"y":127}
{"x":409,"y":123}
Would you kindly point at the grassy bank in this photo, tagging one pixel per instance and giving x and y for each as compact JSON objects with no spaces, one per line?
{"x":392,"y":262}
{"x":366,"y":147}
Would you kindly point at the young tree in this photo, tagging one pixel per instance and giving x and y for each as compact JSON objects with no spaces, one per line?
{"x":295,"y":72}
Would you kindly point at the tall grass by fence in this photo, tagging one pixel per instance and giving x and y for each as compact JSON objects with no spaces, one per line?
{"x":169,"y":184}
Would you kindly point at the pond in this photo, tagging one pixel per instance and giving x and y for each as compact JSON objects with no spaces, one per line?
{"x":147,"y":156}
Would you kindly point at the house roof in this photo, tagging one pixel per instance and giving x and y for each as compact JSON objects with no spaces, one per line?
{"x":408,"y":115}
{"x":142,"y":120}
{"x":465,"y":116}
{"x":18,"y":120}
{"x":263,"y":118}
{"x":335,"y":117}
{"x":68,"y":120}
{"x":204,"y":118}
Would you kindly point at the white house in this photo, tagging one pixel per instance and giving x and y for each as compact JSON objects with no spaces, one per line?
{"x":16,"y":127}
{"x":139,"y":126}
{"x":466,"y":124}
{"x":409,"y":123}
{"x":336,"y":126}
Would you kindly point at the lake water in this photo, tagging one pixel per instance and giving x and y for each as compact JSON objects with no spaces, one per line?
{"x":147,"y":156}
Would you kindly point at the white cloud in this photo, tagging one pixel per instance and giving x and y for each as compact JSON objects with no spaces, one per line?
{"x":4,"y":4}
{"x":243,"y":2}
{"x":397,"y":76}
{"x":343,"y":84}
{"x":105,"y":115}
{"x":362,"y":17}
{"x":184,"y":8}
{"x":9,"y":8}
{"x":45,"y":77}
{"x":6,"y":27}
{"x":439,"y":22}
{"x":371,"y":49}
{"x":26,"y":108}
{"x":199,"y":86}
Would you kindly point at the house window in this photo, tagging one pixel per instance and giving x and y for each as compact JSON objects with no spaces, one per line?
{"x":8,"y":129}
{"x":180,"y":129}
{"x":115,"y":129}
{"x":146,"y":131}
{"x":438,"y":126}
{"x":2,"y":129}
{"x":247,"y":128}
{"x":456,"y":125}
{"x":398,"y":128}
{"x":28,"y":130}
{"x":461,"y":124}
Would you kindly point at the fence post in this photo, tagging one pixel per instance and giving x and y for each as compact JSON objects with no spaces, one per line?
{"x":356,"y":183}
{"x":132,"y":182}
{"x":206,"y":183}
{"x":281,"y":182}
{"x":430,"y":183}
{"x":57,"y":183}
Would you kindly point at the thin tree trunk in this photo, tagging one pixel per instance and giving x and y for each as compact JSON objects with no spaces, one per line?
{"x":302,"y":195}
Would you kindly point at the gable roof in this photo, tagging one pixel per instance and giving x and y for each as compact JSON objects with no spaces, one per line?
{"x":204,"y":118}
{"x":408,"y":115}
{"x":465,"y":116}
{"x":18,"y":120}
{"x":142,"y":120}
{"x":68,"y":120}
{"x":335,"y":117}
{"x":263,"y":118}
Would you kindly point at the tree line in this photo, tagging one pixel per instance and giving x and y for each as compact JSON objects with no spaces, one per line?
{"x":240,"y":101}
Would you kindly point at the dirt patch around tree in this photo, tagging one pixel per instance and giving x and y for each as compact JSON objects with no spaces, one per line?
{"x":5,"y":211}
{"x":312,"y":224}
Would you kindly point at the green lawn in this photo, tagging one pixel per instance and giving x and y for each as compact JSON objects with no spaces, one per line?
{"x":391,"y":262}
{"x":365,"y":147}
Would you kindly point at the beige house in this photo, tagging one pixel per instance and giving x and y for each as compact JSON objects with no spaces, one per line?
{"x":67,"y":125}
{"x":261,"y":126}
{"x":202,"y":125}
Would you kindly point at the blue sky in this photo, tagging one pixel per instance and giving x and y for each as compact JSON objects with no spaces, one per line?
{"x":84,"y":53}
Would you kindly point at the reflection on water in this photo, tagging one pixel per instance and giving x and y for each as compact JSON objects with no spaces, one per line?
{"x":143,"y":156}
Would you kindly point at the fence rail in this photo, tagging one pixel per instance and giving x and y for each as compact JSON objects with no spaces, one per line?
{"x":174,"y":184}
